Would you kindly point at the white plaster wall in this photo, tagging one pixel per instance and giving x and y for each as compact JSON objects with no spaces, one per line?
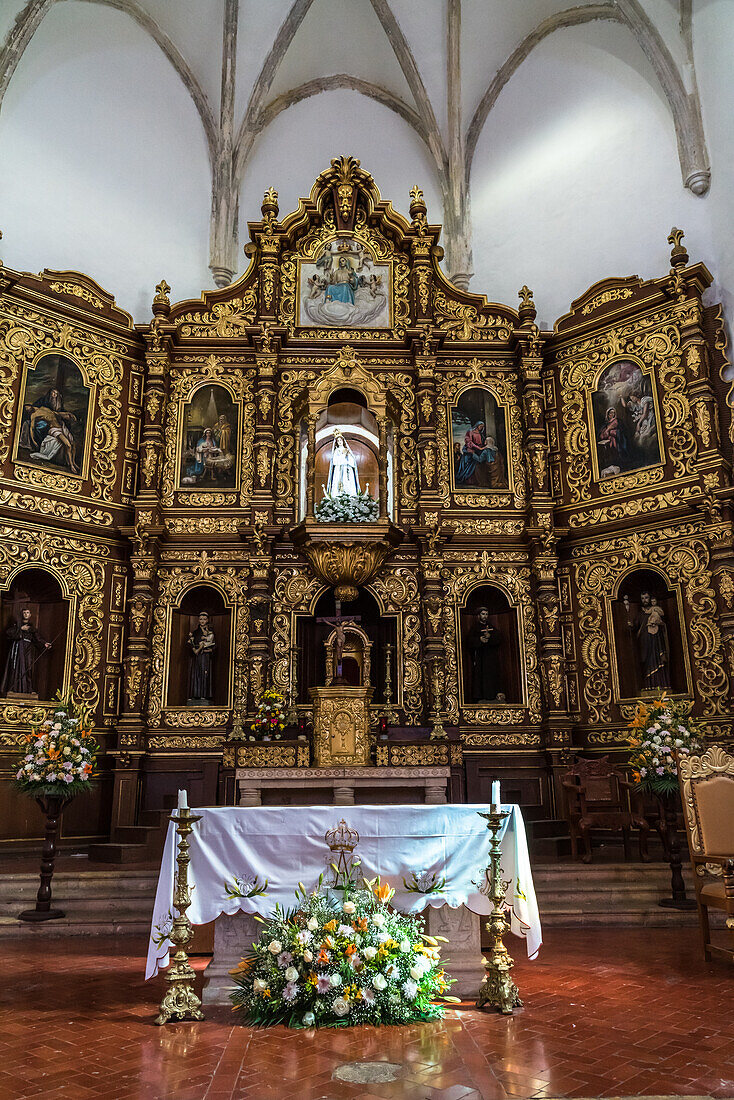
{"x":104,"y":160}
{"x":713,"y":41}
{"x":301,"y":142}
{"x":576,"y":174}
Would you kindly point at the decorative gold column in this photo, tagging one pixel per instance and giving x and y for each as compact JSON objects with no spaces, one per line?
{"x":267,"y":237}
{"x":144,"y":536}
{"x":382,"y":427}
{"x":311,"y":467}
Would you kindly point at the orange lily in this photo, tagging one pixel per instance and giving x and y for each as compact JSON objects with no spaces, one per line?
{"x":383,"y":892}
{"x":322,"y":956}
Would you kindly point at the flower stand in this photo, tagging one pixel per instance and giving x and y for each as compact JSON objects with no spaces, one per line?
{"x":52,"y":806}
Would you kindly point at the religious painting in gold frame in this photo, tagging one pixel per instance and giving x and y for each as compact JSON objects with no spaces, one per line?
{"x":54,"y":414}
{"x":478,"y":442}
{"x":209,"y":440}
{"x":624,"y":421}
{"x":345,"y":287}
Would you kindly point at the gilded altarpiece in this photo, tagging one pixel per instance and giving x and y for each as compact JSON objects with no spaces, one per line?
{"x":554,"y":476}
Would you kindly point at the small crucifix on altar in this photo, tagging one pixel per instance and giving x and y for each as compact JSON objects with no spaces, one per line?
{"x":340,"y":624}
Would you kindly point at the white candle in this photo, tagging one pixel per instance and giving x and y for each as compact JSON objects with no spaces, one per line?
{"x":182,"y":801}
{"x":496,"y":796}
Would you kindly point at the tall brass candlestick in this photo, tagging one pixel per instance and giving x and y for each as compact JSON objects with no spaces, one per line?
{"x":180,"y":1001}
{"x":497,"y":989}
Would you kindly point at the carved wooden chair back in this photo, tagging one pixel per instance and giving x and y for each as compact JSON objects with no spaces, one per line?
{"x":707,"y":795}
{"x":596,"y":797}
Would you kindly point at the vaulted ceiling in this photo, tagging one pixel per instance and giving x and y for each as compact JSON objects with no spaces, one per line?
{"x":439,"y":64}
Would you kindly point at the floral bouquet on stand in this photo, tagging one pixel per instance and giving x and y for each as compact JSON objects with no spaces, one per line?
{"x":661,"y":729}
{"x":60,"y":755}
{"x":346,"y":508}
{"x":269,"y":718}
{"x":341,"y":957}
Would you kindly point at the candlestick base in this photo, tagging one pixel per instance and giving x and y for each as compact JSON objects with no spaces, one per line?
{"x":180,"y":1002}
{"x":497,"y":989}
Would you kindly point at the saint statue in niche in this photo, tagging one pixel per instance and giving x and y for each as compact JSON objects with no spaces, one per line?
{"x":650,"y":631}
{"x":479,"y":441}
{"x":201,"y":643}
{"x":53,"y":421}
{"x":482,"y":641}
{"x":343,"y":476}
{"x":26,"y":645}
{"x":345,"y":287}
{"x":625,"y":424}
{"x":208,"y":457}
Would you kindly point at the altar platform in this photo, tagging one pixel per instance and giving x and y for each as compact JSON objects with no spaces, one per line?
{"x":342,"y":786}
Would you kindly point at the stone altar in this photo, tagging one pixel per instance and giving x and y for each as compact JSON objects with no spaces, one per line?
{"x":343,"y":786}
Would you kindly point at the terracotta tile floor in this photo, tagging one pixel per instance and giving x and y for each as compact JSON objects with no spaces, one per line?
{"x":608,"y":1013}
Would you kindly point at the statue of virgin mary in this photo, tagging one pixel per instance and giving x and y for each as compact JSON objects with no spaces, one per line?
{"x":343,"y":476}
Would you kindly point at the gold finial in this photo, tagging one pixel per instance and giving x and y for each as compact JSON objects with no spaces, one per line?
{"x":271,"y":195}
{"x":678,"y":255}
{"x":418,"y":206}
{"x":527,"y":309}
{"x":161,"y":293}
{"x":269,"y":206}
{"x":416,"y":193}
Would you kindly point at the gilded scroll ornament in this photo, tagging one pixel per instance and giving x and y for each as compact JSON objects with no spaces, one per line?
{"x":726,"y":587}
{"x":78,"y":292}
{"x":465,"y":323}
{"x":615,"y":294}
{"x":225,"y":319}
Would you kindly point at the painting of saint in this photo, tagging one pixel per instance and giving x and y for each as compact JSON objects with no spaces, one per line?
{"x":54,"y":415}
{"x":210,"y":433}
{"x":479,"y":441}
{"x":625,"y":424}
{"x":345,"y":287}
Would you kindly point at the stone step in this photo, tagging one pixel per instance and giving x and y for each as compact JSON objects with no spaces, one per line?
{"x":115,"y":852}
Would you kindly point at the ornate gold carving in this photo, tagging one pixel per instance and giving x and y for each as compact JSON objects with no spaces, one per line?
{"x":554,"y":678}
{"x":78,"y":292}
{"x":615,"y":294}
{"x":265,"y":403}
{"x":703,"y":422}
{"x":489,"y":526}
{"x":345,"y":565}
{"x":270,"y":755}
{"x":341,"y":726}
{"x":428,"y":454}
{"x":419,"y":756}
{"x":225,"y":319}
{"x":464,"y":322}
{"x":426,"y":406}
{"x":497,"y":740}
{"x":62,"y":509}
{"x":186,"y":742}
{"x":195,"y":717}
{"x":205,"y":525}
{"x":423,"y":276}
{"x":726,"y":587}
{"x":715,"y":761}
{"x":493,"y":716}
{"x":685,"y":562}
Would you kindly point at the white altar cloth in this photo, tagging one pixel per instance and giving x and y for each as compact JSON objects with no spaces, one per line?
{"x":414,"y":846}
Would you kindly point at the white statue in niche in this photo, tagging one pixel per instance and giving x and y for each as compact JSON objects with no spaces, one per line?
{"x":343,"y":477}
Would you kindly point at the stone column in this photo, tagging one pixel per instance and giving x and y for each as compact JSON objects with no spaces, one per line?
{"x":232,"y":937}
{"x":463,"y":953}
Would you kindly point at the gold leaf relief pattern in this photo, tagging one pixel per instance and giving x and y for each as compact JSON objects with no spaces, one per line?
{"x":685,"y":564}
{"x":292,"y":382}
{"x":224,"y":319}
{"x":655,"y":340}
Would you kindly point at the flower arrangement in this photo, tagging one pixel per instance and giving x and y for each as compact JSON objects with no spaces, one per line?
{"x":60,"y":754}
{"x":334,"y":961}
{"x":661,"y":729}
{"x":346,"y":508}
{"x":269,"y":718}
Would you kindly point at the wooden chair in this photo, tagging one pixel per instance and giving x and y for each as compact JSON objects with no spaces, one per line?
{"x":707,"y":794}
{"x":595,"y":796}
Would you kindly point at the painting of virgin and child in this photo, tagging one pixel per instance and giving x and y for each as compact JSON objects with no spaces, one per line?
{"x":479,"y":441}
{"x":208,"y":455}
{"x":625,"y":424}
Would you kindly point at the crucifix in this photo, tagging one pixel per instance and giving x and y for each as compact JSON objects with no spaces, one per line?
{"x":339,"y":625}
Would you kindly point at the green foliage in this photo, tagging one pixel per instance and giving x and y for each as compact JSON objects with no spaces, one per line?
{"x":60,"y":754}
{"x":341,"y":957}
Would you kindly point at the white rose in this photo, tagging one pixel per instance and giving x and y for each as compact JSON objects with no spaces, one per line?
{"x":416,"y":972}
{"x":291,"y":974}
{"x":369,"y":952}
{"x":336,"y":980}
{"x":312,"y":924}
{"x":379,"y":981}
{"x":307,"y":956}
{"x":259,"y":985}
{"x":405,"y":946}
{"x":378,"y":919}
{"x":340,"y":1007}
{"x":275,"y":947}
{"x":308,"y":1019}
{"x":349,"y":907}
{"x":357,"y":938}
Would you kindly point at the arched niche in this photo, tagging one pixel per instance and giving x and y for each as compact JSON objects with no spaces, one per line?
{"x":38,"y":592}
{"x":312,"y":635}
{"x":202,"y":598}
{"x":490,"y":648}
{"x":646,"y":620}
